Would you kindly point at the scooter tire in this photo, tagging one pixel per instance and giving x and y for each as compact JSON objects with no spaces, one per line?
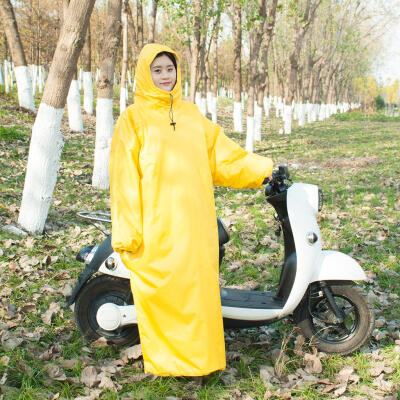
{"x":99,"y":290}
{"x":359,"y":321}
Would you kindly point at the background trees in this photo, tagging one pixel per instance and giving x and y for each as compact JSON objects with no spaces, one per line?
{"x":304,"y":59}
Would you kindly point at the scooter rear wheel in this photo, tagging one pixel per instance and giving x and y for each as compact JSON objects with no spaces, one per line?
{"x":319,"y":324}
{"x":98,"y":291}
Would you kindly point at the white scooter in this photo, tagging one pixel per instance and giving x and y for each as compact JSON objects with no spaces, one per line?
{"x":316,"y":287}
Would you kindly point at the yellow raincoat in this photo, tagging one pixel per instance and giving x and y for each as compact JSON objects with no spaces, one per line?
{"x":164,"y":221}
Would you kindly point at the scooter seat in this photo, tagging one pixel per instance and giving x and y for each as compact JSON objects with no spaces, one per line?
{"x":223,"y":235}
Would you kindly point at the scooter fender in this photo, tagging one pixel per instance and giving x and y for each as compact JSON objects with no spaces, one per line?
{"x":119,"y":269}
{"x":336,"y":266}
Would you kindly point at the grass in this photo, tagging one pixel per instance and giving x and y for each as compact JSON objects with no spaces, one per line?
{"x":352,"y":157}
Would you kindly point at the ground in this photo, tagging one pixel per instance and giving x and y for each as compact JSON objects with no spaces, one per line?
{"x":352,"y":157}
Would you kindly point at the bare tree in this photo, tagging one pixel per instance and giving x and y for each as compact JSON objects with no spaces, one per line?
{"x":87,"y":73}
{"x":46,"y":142}
{"x":139,"y":23}
{"x":255,"y":37}
{"x":104,"y":108}
{"x":24,"y":83}
{"x":153,"y":17}
{"x":237,"y":66}
{"x":300,"y":31}
{"x":124,"y":69}
{"x":195,"y":47}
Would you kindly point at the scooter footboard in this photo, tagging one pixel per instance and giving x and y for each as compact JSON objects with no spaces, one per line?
{"x":334,"y":265}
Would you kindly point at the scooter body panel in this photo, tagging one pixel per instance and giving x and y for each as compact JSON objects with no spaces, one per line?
{"x":333,"y":265}
{"x":120,"y":270}
{"x":302,"y":207}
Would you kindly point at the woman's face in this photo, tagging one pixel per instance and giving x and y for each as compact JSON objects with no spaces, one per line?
{"x":163,"y":73}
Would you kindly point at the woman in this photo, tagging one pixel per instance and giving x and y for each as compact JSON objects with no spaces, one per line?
{"x":165,"y":158}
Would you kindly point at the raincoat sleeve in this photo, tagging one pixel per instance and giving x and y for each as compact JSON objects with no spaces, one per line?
{"x":125,"y":187}
{"x":230,"y":164}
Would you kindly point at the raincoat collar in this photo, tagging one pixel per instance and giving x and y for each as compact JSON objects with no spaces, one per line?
{"x":146,"y":90}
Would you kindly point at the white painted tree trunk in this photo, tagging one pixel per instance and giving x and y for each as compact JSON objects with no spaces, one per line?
{"x":80,"y":78}
{"x":74,"y":107}
{"x":250,"y":134}
{"x":24,"y":86}
{"x":122,"y":100}
{"x":34,"y":71}
{"x":209,"y":102}
{"x":203,"y":105}
{"x":12,"y":75}
{"x":321,"y":113}
{"x":257,"y":122}
{"x":104,"y":132}
{"x":186,"y":88}
{"x":295,"y":111}
{"x":1,"y":74}
{"x":214,"y":109}
{"x":129,"y":78}
{"x":43,"y":165}
{"x":6,"y":81}
{"x":315,"y":110}
{"x":309,"y":112}
{"x":287,"y":118}
{"x":277,"y":109}
{"x":237,"y":117}
{"x":40,"y":79}
{"x":97,"y":75}
{"x":197,"y":99}
{"x":302,"y":114}
{"x":267,"y":105}
{"x":88,"y":92}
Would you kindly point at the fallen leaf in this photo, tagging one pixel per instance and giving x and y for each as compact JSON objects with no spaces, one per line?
{"x":53,"y":309}
{"x":69,"y":364}
{"x":312,"y":363}
{"x":382,"y":384}
{"x":105,"y":382}
{"x":344,"y":374}
{"x":55,"y":372}
{"x":298,"y":345}
{"x":100,"y":342}
{"x":89,"y":376}
{"x":93,"y":395}
{"x":266,"y":374}
{"x":131,"y":353}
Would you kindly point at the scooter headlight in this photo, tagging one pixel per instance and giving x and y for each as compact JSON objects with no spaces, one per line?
{"x":320,"y":199}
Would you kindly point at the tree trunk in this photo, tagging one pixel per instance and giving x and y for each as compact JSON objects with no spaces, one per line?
{"x":24,"y":83}
{"x":123,"y":90}
{"x":237,"y":73}
{"x":132,"y":34}
{"x":215,"y":81}
{"x":87,"y":73}
{"x":104,"y":110}
{"x":152,"y":27}
{"x":263,"y":68}
{"x":255,"y":37}
{"x":139,"y":23}
{"x":297,"y":43}
{"x":46,"y":142}
{"x":195,"y":48}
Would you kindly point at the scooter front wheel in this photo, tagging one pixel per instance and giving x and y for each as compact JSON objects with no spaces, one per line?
{"x":98,"y":291}
{"x":317,"y":321}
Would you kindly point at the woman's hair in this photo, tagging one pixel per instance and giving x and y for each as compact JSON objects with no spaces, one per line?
{"x":169,"y":55}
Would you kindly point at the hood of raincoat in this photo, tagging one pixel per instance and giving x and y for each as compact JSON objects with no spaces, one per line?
{"x":146,"y":90}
